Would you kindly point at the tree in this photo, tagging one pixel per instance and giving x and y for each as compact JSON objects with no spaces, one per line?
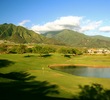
{"x":76,"y":51}
{"x":12,"y":49}
{"x":21,"y":49}
{"x":93,"y":92}
{"x":63,"y":50}
{"x":3,"y":48}
{"x":43,"y":50}
{"x":69,"y":51}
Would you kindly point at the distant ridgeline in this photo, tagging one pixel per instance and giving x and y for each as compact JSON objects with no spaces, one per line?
{"x":77,"y":39}
{"x":19,"y":34}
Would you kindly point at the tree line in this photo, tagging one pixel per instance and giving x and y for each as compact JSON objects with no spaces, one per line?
{"x":40,"y":49}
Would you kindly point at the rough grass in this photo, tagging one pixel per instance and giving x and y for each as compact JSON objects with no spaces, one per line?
{"x":38,"y":67}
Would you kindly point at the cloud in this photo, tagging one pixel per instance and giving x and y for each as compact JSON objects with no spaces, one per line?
{"x":24,"y":22}
{"x":104,"y":29}
{"x":68,"y":22}
{"x":91,"y":26}
{"x":76,"y":23}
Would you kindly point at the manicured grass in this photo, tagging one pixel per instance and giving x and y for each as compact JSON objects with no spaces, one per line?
{"x":92,"y":60}
{"x":26,"y":65}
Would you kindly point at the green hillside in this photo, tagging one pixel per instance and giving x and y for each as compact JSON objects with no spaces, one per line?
{"x":19,"y":34}
{"x":77,"y":39}
{"x":101,"y":37}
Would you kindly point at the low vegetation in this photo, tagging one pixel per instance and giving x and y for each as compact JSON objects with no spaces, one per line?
{"x":39,"y":49}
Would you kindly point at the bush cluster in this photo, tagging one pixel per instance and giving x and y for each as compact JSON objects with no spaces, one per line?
{"x":39,"y":49}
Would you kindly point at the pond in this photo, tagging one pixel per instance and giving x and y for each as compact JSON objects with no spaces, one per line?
{"x":86,"y":71}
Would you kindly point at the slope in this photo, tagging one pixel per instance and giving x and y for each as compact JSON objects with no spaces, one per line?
{"x":101,"y":37}
{"x":77,"y":39}
{"x":19,"y":34}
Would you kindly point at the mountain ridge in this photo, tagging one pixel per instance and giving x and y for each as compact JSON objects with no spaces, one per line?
{"x":74,"y":38}
{"x":19,"y":34}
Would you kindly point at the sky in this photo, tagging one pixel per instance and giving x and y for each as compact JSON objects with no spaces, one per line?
{"x":91,"y":17}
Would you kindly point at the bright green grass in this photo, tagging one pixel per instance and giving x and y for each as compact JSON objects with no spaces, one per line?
{"x":68,"y":84}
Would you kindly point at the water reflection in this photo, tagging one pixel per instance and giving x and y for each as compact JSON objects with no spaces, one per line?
{"x":86,"y":71}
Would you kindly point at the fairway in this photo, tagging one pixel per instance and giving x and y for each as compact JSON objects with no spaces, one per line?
{"x":27,"y":72}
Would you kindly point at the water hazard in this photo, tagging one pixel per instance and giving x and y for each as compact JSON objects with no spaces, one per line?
{"x":86,"y":71}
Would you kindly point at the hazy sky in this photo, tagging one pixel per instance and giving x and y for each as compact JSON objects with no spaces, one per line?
{"x":91,"y":17}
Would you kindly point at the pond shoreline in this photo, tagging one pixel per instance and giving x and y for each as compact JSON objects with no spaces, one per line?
{"x":77,"y":65}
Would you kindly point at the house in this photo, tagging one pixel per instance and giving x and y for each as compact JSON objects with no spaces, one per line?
{"x":98,"y":51}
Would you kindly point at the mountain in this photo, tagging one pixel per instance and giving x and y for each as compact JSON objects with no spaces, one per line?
{"x":77,"y":39}
{"x":101,"y":37}
{"x":19,"y":34}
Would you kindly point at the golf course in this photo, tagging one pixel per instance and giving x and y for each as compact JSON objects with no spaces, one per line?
{"x":28,"y":77}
